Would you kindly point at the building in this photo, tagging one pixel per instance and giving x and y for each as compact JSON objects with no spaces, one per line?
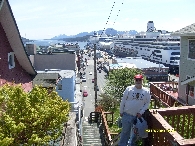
{"x":16,"y":67}
{"x":187,"y":63}
{"x":152,"y":71}
{"x":60,"y":59}
{"x":63,"y":81}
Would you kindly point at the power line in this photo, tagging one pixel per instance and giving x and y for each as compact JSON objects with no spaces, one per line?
{"x":108,"y":19}
{"x":114,"y":20}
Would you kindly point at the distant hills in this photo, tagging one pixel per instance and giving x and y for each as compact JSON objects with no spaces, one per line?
{"x":84,"y":36}
{"x":108,"y":31}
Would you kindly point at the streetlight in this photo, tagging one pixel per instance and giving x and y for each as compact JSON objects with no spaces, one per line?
{"x":96,"y":39}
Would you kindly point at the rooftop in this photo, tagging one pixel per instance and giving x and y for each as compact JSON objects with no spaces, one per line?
{"x":49,"y":77}
{"x":186,"y":31}
{"x":138,"y":62}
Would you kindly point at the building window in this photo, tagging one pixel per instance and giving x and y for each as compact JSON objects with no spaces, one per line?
{"x":59,"y":87}
{"x":191,"y":91}
{"x":189,"y":88}
{"x":191,"y":49}
{"x":11,"y":62}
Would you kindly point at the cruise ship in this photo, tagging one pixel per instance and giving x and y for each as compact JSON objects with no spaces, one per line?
{"x":103,"y":41}
{"x":155,"y":45}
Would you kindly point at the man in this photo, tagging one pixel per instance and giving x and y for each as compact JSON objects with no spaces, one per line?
{"x":135,"y":102}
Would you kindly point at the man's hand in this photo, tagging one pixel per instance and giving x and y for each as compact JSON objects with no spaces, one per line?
{"x":139,"y":115}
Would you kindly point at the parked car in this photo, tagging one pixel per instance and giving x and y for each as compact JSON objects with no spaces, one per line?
{"x":92,"y":80}
{"x":84,"y":80}
{"x":85,"y":94}
{"x":100,"y":71}
{"x":90,"y":73}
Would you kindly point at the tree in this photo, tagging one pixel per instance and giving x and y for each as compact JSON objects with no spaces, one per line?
{"x":108,"y":103}
{"x":34,"y":118}
{"x":118,"y":80}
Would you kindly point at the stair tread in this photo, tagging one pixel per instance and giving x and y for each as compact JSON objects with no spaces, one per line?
{"x":91,"y":134}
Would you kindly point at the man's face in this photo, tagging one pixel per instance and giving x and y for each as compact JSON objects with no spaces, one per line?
{"x":138,"y":81}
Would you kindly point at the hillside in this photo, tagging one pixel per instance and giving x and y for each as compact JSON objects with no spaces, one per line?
{"x":83,"y":36}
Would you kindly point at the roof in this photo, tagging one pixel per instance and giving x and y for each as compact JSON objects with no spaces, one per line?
{"x":46,"y":79}
{"x":9,"y":25}
{"x":186,"y":31}
{"x":138,"y":62}
{"x":188,"y":81}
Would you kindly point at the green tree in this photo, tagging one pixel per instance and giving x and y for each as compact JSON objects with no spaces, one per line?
{"x":118,"y":80}
{"x":34,"y":118}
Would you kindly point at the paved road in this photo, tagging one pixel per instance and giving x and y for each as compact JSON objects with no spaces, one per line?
{"x":89,"y":102}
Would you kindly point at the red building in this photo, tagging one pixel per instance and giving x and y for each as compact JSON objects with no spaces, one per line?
{"x":15,"y":65}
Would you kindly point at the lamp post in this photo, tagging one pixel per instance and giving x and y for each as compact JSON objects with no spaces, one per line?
{"x":95,"y":68}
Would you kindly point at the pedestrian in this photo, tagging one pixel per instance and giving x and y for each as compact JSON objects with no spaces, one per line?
{"x":135,"y":102}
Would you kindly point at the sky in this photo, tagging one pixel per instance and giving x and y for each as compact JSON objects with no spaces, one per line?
{"x":44,"y":19}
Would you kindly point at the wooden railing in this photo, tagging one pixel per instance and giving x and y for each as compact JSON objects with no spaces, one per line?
{"x":163,"y":97}
{"x":108,"y":136}
{"x":172,"y":126}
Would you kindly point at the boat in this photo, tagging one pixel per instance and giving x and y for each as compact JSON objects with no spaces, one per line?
{"x":155,"y":45}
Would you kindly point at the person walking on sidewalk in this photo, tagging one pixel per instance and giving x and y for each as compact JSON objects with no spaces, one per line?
{"x":135,"y":102}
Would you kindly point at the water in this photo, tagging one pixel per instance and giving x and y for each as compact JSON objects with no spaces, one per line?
{"x":51,"y":42}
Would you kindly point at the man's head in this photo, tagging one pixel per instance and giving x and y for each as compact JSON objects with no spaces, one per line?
{"x":138,"y":80}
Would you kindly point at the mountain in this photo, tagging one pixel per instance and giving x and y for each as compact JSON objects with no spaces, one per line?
{"x":108,"y":31}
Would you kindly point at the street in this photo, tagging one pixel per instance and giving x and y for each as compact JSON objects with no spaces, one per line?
{"x":89,"y":101}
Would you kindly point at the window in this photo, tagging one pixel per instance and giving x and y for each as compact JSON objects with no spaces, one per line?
{"x":59,"y":87}
{"x":11,"y":62}
{"x":175,"y":53}
{"x":190,"y":89}
{"x":191,"y":49}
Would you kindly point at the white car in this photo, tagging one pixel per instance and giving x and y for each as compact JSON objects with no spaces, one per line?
{"x":90,"y":73}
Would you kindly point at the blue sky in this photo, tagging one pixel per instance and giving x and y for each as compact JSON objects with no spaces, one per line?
{"x":44,"y":19}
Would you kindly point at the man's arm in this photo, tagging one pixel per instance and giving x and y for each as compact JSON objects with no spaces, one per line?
{"x":122,"y":104}
{"x":147,"y":103}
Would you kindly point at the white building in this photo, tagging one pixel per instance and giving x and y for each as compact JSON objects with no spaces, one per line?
{"x":63,"y":81}
{"x":187,"y":63}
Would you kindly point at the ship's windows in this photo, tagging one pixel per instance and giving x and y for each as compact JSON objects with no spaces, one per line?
{"x":11,"y":62}
{"x":191,"y":49}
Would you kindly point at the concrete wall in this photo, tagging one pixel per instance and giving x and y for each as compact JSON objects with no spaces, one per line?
{"x":31,"y":49}
{"x":55,"y":61}
{"x":32,"y":59}
{"x":187,"y":68}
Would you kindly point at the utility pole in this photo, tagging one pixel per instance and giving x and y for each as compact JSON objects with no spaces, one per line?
{"x":95,"y":75}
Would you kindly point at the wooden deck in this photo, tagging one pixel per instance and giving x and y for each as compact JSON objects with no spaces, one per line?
{"x":165,"y":93}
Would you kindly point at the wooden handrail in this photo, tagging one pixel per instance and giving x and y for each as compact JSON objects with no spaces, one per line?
{"x":162,"y":96}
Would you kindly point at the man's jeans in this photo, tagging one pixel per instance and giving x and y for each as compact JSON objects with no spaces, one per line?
{"x":127,"y":123}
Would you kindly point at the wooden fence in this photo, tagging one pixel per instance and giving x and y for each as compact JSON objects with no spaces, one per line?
{"x":172,"y":126}
{"x":165,"y":97}
{"x":108,"y":136}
